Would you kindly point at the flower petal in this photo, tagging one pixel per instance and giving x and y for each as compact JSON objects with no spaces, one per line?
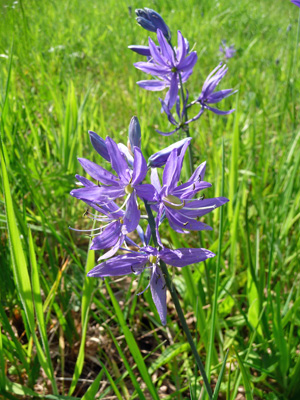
{"x":99,"y":173}
{"x":121,"y":265}
{"x":184,"y":257}
{"x":166,"y":49}
{"x":181,"y":48}
{"x":159,"y":294}
{"x":146,"y":192}
{"x":99,"y":145}
{"x":132,"y":215}
{"x":139,"y":167}
{"x":100,"y":194}
{"x":170,"y":172}
{"x":188,"y":63}
{"x":151,"y":68}
{"x":118,"y":162}
{"x":108,"y":237}
{"x":154,"y":86}
{"x":160,"y":158}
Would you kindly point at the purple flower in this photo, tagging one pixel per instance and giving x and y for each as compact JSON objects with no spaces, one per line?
{"x":208,"y":94}
{"x":126,"y":183}
{"x":118,"y":224}
{"x":180,"y":124}
{"x":176,"y":203}
{"x":296,"y":2}
{"x":149,"y":258}
{"x":151,"y":21}
{"x":228,"y":52}
{"x":166,"y":65}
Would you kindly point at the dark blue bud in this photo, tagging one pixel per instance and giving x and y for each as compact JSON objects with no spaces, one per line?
{"x":99,"y":145}
{"x":157,"y":20}
{"x":146,"y":24}
{"x":134,"y":133}
{"x":151,"y":21}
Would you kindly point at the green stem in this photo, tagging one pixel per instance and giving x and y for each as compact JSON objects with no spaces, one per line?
{"x":177,"y":305}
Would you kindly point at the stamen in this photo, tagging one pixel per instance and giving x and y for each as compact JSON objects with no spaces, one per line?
{"x":200,"y":208}
{"x":123,"y":205}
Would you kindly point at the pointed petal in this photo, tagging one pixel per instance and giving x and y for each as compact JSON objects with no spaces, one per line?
{"x":151,"y":68}
{"x":184,"y":257}
{"x":170,"y":172}
{"x":154,"y":86}
{"x":188,"y":63}
{"x":166,"y":49}
{"x":120,"y":265}
{"x":155,"y":179}
{"x":108,"y":237}
{"x":99,"y":145}
{"x":96,"y":194}
{"x":156,"y":55}
{"x":173,"y":92}
{"x":199,"y":173}
{"x":142,"y":50}
{"x":160,"y":158}
{"x":146,"y":192}
{"x":159,"y":294}
{"x":181,"y":48}
{"x":219,"y":112}
{"x":118,"y":162}
{"x":132,"y":215}
{"x":111,"y":252}
{"x":84,"y":181}
{"x":180,"y":222}
{"x":99,"y":173}
{"x":139,"y":167}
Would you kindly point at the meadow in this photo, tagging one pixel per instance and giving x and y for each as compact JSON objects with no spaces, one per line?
{"x":65,"y":69}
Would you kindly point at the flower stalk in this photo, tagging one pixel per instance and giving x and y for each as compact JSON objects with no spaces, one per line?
{"x":178,"y":306}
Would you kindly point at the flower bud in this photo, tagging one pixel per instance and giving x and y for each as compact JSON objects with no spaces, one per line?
{"x":151,"y":21}
{"x":99,"y":145}
{"x":134,"y":133}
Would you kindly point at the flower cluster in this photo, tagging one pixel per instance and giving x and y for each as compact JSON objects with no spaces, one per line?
{"x":129,"y":184}
{"x":116,"y":194}
{"x":171,"y":67}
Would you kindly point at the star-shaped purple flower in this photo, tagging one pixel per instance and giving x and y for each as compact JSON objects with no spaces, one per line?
{"x":166,"y":65}
{"x":228,"y":51}
{"x":149,"y":258}
{"x":208,"y":94}
{"x":176,"y":203}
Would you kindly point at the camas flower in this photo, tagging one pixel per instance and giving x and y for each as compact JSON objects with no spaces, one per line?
{"x":118,"y":224}
{"x":149,"y":258}
{"x":166,"y":65}
{"x":176,"y":203}
{"x":228,"y":51}
{"x":208,"y":94}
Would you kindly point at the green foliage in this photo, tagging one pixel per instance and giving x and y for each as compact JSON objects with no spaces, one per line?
{"x":65,"y":69}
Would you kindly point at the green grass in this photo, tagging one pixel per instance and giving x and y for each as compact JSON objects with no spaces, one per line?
{"x":65,"y":69}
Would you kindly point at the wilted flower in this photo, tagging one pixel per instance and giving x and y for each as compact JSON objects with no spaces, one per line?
{"x":180,"y":124}
{"x":151,"y":21}
{"x":228,"y":52}
{"x":166,"y":65}
{"x":208,"y":94}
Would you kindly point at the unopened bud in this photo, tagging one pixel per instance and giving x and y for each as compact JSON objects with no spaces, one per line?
{"x":151,"y":21}
{"x":134,"y":133}
{"x":99,"y":145}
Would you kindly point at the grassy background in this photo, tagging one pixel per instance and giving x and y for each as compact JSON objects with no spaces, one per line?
{"x":65,"y":69}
